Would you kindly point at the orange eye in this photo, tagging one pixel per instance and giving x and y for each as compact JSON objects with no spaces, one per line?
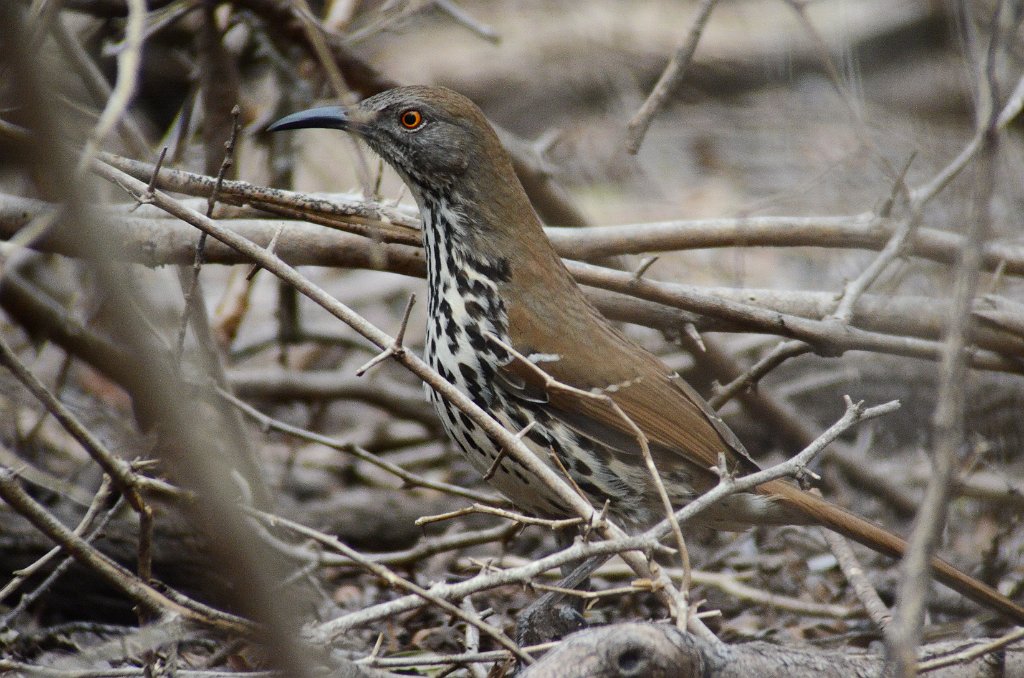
{"x":411,"y":119}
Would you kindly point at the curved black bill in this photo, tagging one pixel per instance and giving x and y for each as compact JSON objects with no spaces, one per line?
{"x":330,"y":117}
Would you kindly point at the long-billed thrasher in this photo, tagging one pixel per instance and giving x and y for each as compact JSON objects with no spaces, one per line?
{"x":495,"y":283}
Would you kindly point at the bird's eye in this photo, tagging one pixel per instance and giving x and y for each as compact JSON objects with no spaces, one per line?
{"x":411,"y":119}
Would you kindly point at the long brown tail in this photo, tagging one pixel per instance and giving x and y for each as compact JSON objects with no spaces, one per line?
{"x":821,"y":512}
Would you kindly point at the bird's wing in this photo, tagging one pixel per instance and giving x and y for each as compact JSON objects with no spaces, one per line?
{"x":603,"y":402}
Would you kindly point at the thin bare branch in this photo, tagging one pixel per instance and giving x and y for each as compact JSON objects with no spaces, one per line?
{"x":637,"y":127}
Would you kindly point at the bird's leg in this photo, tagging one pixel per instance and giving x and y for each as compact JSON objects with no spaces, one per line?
{"x":556,"y":614}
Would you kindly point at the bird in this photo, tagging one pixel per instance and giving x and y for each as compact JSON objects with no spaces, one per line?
{"x":509,"y":327}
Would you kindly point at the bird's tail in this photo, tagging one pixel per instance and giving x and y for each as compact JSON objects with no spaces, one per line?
{"x":821,"y":512}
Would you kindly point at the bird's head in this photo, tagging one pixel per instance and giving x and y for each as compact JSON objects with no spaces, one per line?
{"x":430,"y":135}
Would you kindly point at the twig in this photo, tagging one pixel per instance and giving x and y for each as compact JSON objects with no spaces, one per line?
{"x":34,"y":475}
{"x":235,"y":192}
{"x":156,"y":172}
{"x":280,"y":384}
{"x":526,"y":572}
{"x":226,"y":163}
{"x":637,"y":127}
{"x":973,"y":652}
{"x":683,"y":610}
{"x":410,"y":479}
{"x":854,"y":574}
{"x":640,"y":586}
{"x":1013,"y":106}
{"x":501,"y":513}
{"x":449,"y":542}
{"x":502,"y":453}
{"x":27,"y":600}
{"x":893,"y":249}
{"x":897,"y":244}
{"x":395,"y":348}
{"x":271,"y":247}
{"x":462,"y":17}
{"x":306,"y":244}
{"x":156,"y":242}
{"x":898,"y":190}
{"x":644,"y":266}
{"x":425,"y":548}
{"x":448,"y":659}
{"x":778,"y":355}
{"x":731,"y":585}
{"x":158,"y":394}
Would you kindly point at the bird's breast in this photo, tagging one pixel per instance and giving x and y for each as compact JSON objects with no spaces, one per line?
{"x":465,"y":314}
{"x":465,"y":308}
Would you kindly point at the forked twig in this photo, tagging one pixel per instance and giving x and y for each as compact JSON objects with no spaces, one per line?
{"x":396,"y":347}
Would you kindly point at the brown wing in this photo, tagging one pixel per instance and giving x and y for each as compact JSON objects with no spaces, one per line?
{"x":680,"y":426}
